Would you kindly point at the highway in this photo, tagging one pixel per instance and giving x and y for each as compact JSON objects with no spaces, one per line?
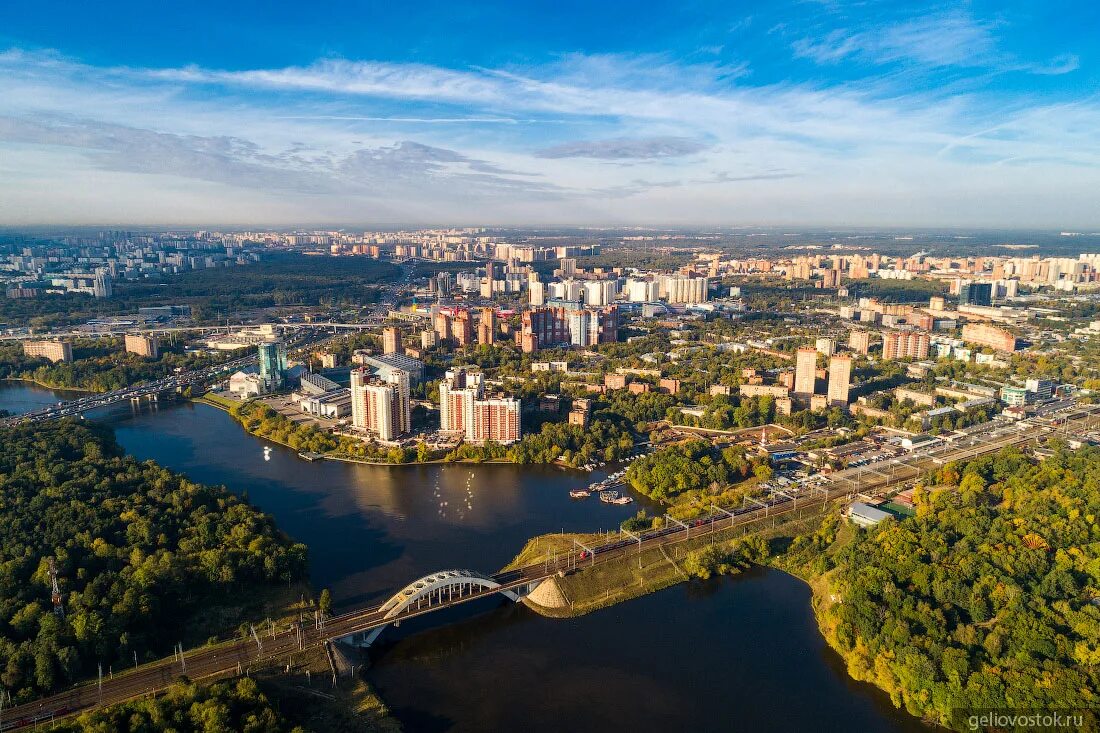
{"x":166,"y":384}
{"x":237,"y":657}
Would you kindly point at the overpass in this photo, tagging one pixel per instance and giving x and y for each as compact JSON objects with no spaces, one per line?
{"x":450,"y":588}
{"x":137,"y":391}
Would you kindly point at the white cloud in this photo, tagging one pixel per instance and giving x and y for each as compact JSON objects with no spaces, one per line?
{"x":625,"y":148}
{"x":422,"y":143}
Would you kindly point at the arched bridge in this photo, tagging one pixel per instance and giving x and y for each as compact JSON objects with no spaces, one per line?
{"x":444,"y":588}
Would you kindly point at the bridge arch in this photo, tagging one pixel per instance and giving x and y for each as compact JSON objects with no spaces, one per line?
{"x":436,"y":589}
{"x":433,"y":589}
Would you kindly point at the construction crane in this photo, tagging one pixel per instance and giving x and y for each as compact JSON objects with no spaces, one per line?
{"x":55,"y":591}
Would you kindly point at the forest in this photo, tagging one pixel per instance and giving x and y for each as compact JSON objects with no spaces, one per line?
{"x":140,"y":552}
{"x":986,"y":599}
{"x":280,"y":278}
{"x":690,"y":466}
{"x":189,"y":708}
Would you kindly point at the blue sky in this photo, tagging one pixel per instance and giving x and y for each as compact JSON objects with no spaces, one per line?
{"x":678,"y":113}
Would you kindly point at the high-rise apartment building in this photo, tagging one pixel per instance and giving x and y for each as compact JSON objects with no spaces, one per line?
{"x":860,"y":341}
{"x":55,"y":351}
{"x":381,"y":405}
{"x":142,"y":345}
{"x":840,"y":380}
{"x":599,"y":292}
{"x":536,"y":292}
{"x":103,"y":285}
{"x":805,"y":371}
{"x":462,"y":328}
{"x":905,"y":345}
{"x":464,"y":409}
{"x":487,"y":327}
{"x":391,"y":340}
{"x":642,"y":291}
{"x":684,"y":289}
{"x":496,"y":419}
{"x":457,"y":393}
{"x":442,"y":324}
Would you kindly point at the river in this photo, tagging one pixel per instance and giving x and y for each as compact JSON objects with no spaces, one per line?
{"x":738,"y":652}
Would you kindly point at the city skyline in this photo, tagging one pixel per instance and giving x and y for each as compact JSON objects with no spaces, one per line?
{"x":801,"y":114}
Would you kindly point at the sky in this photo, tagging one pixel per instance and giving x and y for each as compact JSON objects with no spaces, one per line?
{"x":686,"y":113}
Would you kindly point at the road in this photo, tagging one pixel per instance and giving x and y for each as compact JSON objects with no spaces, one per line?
{"x":239,"y":656}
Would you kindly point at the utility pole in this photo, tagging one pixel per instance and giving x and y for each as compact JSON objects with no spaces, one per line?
{"x":55,"y":591}
{"x":255,"y":636}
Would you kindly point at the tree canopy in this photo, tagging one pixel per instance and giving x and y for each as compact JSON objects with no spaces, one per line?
{"x":986,"y":598}
{"x":138,"y":550}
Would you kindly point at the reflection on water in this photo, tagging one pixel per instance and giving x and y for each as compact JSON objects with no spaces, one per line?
{"x":735,"y":654}
{"x":370,"y":529}
{"x":739,"y":653}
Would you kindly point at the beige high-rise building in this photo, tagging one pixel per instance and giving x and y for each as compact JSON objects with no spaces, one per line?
{"x":805,"y":371}
{"x":381,"y":406}
{"x":905,"y":345}
{"x":146,"y":346}
{"x":463,"y":409}
{"x":55,"y":351}
{"x":391,"y":340}
{"x":860,"y":342}
{"x":840,"y":380}
{"x":487,"y":327}
{"x":496,"y":419}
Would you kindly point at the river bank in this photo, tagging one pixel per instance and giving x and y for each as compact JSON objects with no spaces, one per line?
{"x":45,"y":385}
{"x":296,"y":435}
{"x":371,"y":529}
{"x":594,"y":587}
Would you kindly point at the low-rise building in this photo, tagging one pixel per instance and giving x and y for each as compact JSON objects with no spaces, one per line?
{"x":866,"y":515}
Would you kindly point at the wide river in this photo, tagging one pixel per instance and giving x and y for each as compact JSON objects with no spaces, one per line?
{"x":738,"y":653}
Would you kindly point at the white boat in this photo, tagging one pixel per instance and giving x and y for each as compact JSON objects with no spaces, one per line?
{"x":580,"y":494}
{"x":623,"y":500}
{"x":609,"y":497}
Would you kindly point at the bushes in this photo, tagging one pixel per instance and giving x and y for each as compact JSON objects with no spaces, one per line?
{"x":186,"y":708}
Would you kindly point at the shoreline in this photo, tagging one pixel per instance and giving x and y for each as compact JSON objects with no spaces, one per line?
{"x":362,"y":461}
{"x":51,"y":387}
{"x":593,"y":588}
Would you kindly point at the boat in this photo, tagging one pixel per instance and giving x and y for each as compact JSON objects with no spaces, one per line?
{"x":267,"y":452}
{"x":609,"y":497}
{"x":623,"y":500}
{"x":580,"y":494}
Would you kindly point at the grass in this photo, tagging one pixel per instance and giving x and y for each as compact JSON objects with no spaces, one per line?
{"x":307,"y":697}
{"x":218,"y":401}
{"x":537,"y":548}
{"x":593,"y":587}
